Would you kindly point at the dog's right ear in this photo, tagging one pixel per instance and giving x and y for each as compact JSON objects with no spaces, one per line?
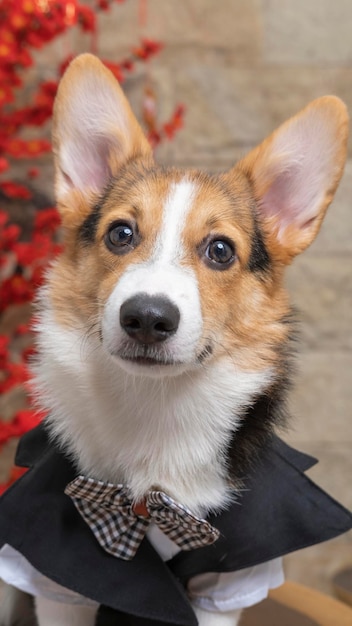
{"x":294,"y":174}
{"x":94,"y":129}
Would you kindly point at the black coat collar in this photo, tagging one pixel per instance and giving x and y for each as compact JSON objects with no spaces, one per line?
{"x":279,"y":510}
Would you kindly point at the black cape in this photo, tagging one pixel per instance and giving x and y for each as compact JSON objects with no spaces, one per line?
{"x":279,"y":510}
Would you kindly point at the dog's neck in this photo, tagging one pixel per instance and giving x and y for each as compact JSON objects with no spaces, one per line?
{"x":173,"y":433}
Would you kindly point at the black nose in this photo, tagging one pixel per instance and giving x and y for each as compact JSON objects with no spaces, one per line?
{"x":149,"y":319}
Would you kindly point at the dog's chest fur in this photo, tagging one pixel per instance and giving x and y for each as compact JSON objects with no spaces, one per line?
{"x":171,"y":433}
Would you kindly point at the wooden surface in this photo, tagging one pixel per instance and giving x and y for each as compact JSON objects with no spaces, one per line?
{"x":320,"y":609}
{"x":342,"y":583}
{"x":273,"y":613}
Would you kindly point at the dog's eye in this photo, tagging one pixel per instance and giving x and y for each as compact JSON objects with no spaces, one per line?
{"x":119,"y":238}
{"x":220,"y":252}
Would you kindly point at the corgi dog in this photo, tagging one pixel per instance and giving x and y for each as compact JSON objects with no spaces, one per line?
{"x":165,"y":319}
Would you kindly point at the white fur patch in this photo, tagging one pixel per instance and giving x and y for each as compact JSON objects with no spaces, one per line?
{"x":176,"y":209}
{"x":162,"y":275}
{"x":170,"y":432}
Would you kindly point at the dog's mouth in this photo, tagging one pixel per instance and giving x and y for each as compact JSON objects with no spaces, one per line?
{"x":152,"y":356}
{"x":148,"y":360}
{"x":149,"y":356}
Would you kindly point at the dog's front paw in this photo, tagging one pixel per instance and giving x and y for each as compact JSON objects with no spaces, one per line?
{"x":210,"y":618}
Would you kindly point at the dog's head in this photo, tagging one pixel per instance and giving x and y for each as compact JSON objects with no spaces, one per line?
{"x":176,"y":269}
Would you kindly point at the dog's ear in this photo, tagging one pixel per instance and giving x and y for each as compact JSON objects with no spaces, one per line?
{"x":94,"y":129}
{"x":294,"y":174}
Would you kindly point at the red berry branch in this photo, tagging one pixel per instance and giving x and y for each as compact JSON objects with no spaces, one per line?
{"x":27,"y":26}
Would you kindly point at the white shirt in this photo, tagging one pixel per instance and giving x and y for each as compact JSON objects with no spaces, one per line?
{"x":211,"y":591}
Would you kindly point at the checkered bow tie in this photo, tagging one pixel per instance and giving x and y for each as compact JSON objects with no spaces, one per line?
{"x":120,"y":526}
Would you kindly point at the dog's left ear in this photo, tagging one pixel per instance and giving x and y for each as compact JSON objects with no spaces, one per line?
{"x":94,"y":129}
{"x":294,"y":174}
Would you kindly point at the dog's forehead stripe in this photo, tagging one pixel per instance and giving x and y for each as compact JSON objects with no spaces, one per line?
{"x":178,"y":204}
